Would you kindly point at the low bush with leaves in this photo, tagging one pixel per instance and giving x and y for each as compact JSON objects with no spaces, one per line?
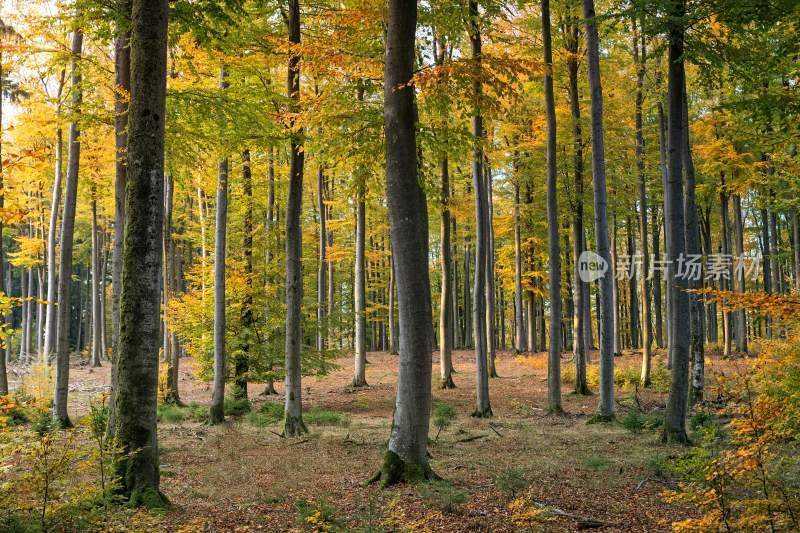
{"x":743,"y":475}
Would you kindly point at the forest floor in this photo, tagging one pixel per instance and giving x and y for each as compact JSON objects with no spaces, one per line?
{"x":242,"y":477}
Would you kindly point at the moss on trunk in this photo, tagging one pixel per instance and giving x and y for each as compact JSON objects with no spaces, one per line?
{"x":395,"y":470}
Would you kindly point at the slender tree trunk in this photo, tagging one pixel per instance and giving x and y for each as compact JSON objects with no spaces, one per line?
{"x":269,"y":228}
{"x":217,"y":411}
{"x":67,"y":234}
{"x":293,"y":421}
{"x":122,"y":83}
{"x":675,"y":419}
{"x":483,"y":407}
{"x":491,"y":302}
{"x":322,"y":269}
{"x":554,"y":356}
{"x":740,"y":316}
{"x":615,"y":291}
{"x":659,"y":327}
{"x":633,"y":297}
{"x":3,"y":363}
{"x":171,"y":355}
{"x":725,"y":282}
{"x":466,"y":333}
{"x":647,"y":330}
{"x":137,"y":356}
{"x":662,"y":150}
{"x":242,"y":360}
{"x":407,"y":456}
{"x":360,"y":296}
{"x":394,"y":342}
{"x":581,"y":289}
{"x":796,"y":248}
{"x":767,"y":259}
{"x":50,"y":321}
{"x":446,"y":298}
{"x":96,"y":316}
{"x":606,"y":405}
{"x":520,"y":335}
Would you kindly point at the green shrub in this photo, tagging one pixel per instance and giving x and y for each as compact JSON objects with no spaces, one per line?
{"x":236,"y":405}
{"x":317,"y":416}
{"x":596,"y":462}
{"x":511,"y":481}
{"x":172,"y":413}
{"x":442,"y":495}
{"x":635,"y":421}
{"x":443,"y":416}
{"x":270,"y":413}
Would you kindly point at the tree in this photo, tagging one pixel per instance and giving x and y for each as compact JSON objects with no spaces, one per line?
{"x":293,"y":410}
{"x":446,"y":322}
{"x":360,"y":296}
{"x":217,"y":412}
{"x":678,"y":319}
{"x":67,"y":236}
{"x":554,"y":355}
{"x":407,"y":456}
{"x":606,"y":407}
{"x":483,"y":407}
{"x":137,"y":358}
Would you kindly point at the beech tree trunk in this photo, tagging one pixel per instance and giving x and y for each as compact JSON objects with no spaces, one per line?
{"x":122,"y":83}
{"x":360,"y":296}
{"x":554,"y":356}
{"x":740,"y":316}
{"x":137,"y":395}
{"x":606,"y":405}
{"x":446,"y":298}
{"x":675,"y":419}
{"x":96,"y":316}
{"x":483,"y":407}
{"x":520,"y":334}
{"x":322,"y":270}
{"x":293,"y":410}
{"x":217,"y":411}
{"x":242,"y":360}
{"x":171,"y":356}
{"x":407,"y":455}
{"x":67,"y":234}
{"x":491,"y":301}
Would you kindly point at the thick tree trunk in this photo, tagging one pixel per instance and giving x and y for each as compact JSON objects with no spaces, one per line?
{"x":554,"y":356}
{"x":483,"y":407}
{"x":217,"y":411}
{"x":675,"y":419}
{"x":137,"y":355}
{"x":122,"y":83}
{"x":407,"y":456}
{"x":606,"y":405}
{"x":293,"y":410}
{"x":446,"y":298}
{"x":67,"y":234}
{"x":360,"y":296}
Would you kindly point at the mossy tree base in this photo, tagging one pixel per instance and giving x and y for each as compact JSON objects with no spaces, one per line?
{"x":672,"y":435}
{"x":493,"y":374}
{"x":293,"y":426}
{"x":216,"y":415}
{"x":359,"y":383}
{"x":448,"y":383}
{"x":556,"y":410}
{"x":483,"y":413}
{"x":601,"y":419}
{"x":582,"y":390}
{"x":394,"y":470}
{"x":149,"y":498}
{"x":61,"y":422}
{"x":269,"y":389}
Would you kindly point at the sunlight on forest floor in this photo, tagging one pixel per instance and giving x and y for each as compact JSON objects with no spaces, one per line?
{"x":246,"y":475}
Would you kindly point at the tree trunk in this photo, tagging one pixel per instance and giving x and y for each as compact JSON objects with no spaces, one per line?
{"x":122,"y":83}
{"x":740,"y":316}
{"x":3,"y":365}
{"x":647,"y":330}
{"x":360,"y":296}
{"x":407,"y":456}
{"x":766,"y":258}
{"x":554,"y":356}
{"x":322,"y":269}
{"x":96,"y":316}
{"x":659,"y":323}
{"x":293,"y":418}
{"x":217,"y":410}
{"x":242,"y":360}
{"x":50,"y":320}
{"x":483,"y":407}
{"x":675,"y":418}
{"x":491,"y":302}
{"x":137,"y":355}
{"x":394,"y":345}
{"x":67,"y":234}
{"x":606,"y":406}
{"x":446,"y":298}
{"x":170,"y":356}
{"x":615,"y":291}
{"x":521,"y":334}
{"x":269,"y":228}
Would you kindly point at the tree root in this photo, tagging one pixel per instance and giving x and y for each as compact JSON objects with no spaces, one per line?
{"x":394,"y":470}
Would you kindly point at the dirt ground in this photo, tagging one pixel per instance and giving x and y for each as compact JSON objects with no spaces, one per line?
{"x":237,"y":477}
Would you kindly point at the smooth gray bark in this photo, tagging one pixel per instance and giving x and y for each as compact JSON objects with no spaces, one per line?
{"x":446,"y":297}
{"x":67,"y":234}
{"x":520,"y":333}
{"x":740,"y":315}
{"x":360,"y":296}
{"x":606,"y":404}
{"x":97,"y":330}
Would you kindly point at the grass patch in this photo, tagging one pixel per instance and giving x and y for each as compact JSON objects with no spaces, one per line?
{"x":442,"y":495}
{"x":636,"y":421}
{"x":317,"y":416}
{"x":236,"y":406}
{"x":173,"y":414}
{"x":596,"y":462}
{"x":269,"y":414}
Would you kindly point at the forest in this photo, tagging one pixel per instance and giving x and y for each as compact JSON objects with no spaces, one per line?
{"x":399,"y":266}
